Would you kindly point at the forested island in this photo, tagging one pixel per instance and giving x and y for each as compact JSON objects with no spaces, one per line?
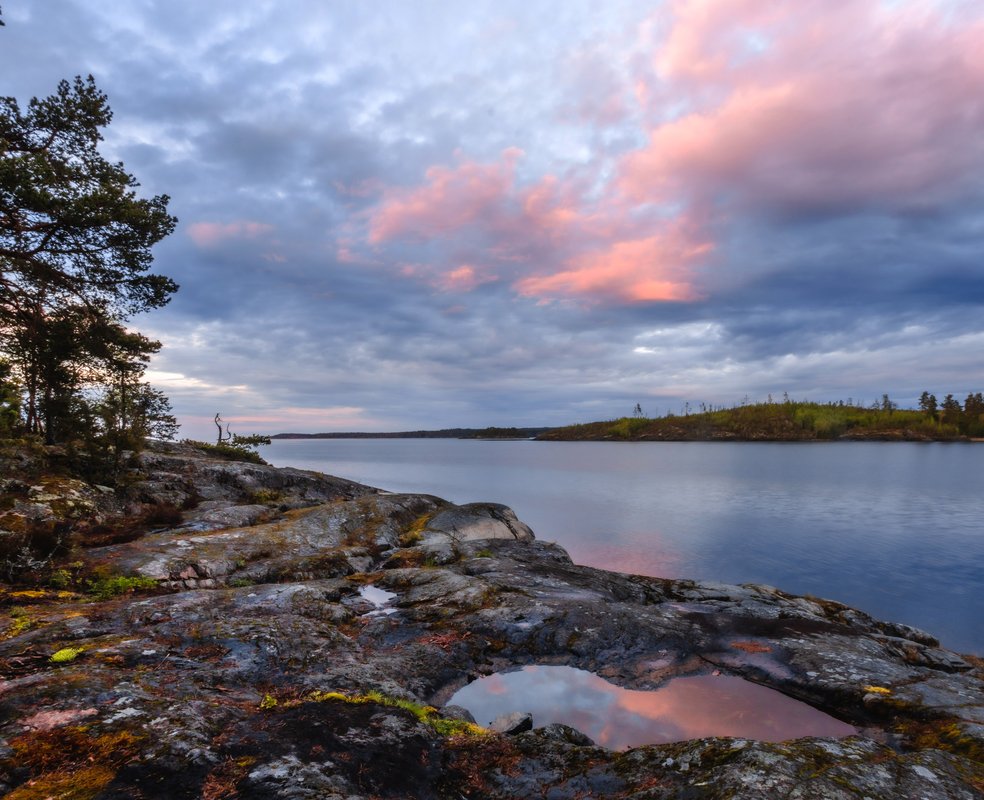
{"x":790,"y":420}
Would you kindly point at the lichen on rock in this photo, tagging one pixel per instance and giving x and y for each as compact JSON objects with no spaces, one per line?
{"x":261,"y":667}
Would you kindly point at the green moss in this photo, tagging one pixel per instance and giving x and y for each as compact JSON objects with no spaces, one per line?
{"x":106,"y":588}
{"x":20,"y":622}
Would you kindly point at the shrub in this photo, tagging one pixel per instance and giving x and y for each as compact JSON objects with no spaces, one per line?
{"x":229,"y":451}
{"x":30,"y":551}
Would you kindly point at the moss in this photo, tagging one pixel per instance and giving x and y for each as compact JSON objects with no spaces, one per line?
{"x":943,"y":735}
{"x":415,"y":532}
{"x":76,"y":784}
{"x":21,"y":621}
{"x":265,"y":497}
{"x":69,"y":762}
{"x":425,"y":714}
{"x":108,"y":587}
{"x":66,"y":655}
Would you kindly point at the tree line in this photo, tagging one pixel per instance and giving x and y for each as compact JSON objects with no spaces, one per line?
{"x":75,"y":258}
{"x":792,"y":420}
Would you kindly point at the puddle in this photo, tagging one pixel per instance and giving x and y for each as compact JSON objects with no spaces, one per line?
{"x":685,"y":708}
{"x":380,"y":598}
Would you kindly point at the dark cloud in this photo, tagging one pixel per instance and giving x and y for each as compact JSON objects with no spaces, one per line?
{"x":514,"y":213}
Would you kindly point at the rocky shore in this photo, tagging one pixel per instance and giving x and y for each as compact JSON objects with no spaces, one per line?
{"x":248,"y":660}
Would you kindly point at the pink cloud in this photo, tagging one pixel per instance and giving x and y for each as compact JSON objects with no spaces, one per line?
{"x":653,"y":269}
{"x":209,"y":234}
{"x":814,"y":104}
{"x":572,"y":248}
{"x":464,"y":279}
{"x":751,"y":106}
{"x":450,"y":199}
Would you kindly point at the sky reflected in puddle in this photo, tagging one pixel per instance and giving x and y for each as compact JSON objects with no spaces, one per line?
{"x":685,"y":708}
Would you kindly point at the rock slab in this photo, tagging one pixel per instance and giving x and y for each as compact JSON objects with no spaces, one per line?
{"x":260,"y":667}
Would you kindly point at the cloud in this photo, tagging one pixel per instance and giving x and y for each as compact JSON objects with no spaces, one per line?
{"x":815,"y":108}
{"x":480,"y":220}
{"x":450,"y":199}
{"x":210,"y":234}
{"x":654,"y":269}
{"x":547,"y":236}
{"x":464,"y":279}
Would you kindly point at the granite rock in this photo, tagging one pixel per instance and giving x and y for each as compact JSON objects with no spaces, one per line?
{"x":262,"y":666}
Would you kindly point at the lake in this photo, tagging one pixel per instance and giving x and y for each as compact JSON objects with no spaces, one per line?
{"x":895,"y":529}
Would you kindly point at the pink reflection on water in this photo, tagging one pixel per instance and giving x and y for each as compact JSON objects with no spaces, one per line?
{"x":685,"y":708}
{"x":648,"y":554}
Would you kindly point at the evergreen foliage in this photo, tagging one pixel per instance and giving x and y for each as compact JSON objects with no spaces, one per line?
{"x":75,"y":254}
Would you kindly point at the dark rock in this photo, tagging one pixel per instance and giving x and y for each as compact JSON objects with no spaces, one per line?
{"x":457,"y":712}
{"x":559,"y":732}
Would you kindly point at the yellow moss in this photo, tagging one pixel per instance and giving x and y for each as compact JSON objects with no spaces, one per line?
{"x":415,"y":532}
{"x":20,"y":622}
{"x":426,"y":714}
{"x":66,"y":654}
{"x":320,"y":697}
{"x":81,"y":784}
{"x":29,"y":593}
{"x":876,"y":690}
{"x":268,"y":701}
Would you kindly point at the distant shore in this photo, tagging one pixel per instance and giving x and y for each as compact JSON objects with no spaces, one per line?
{"x":444,"y":433}
{"x":786,"y":421}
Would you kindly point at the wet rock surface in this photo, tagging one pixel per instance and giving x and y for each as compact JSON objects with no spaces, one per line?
{"x":261,"y":667}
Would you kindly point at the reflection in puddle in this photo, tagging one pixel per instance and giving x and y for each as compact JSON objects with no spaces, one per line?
{"x":380,"y":598}
{"x":685,"y":708}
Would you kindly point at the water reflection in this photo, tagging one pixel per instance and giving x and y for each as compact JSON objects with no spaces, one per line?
{"x":892,"y":529}
{"x":685,"y":708}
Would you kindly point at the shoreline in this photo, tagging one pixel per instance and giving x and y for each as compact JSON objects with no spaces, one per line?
{"x":305,"y":631}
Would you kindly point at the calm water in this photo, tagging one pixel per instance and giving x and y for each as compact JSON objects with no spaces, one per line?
{"x":617,"y":718}
{"x":895,"y":529}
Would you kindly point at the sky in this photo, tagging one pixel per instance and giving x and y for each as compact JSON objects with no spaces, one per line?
{"x":397,"y":216}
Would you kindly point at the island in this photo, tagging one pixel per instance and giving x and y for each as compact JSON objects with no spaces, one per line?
{"x":225,"y":629}
{"x":790,"y":421}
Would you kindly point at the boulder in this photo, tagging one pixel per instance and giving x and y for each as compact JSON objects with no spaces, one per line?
{"x":512,"y":723}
